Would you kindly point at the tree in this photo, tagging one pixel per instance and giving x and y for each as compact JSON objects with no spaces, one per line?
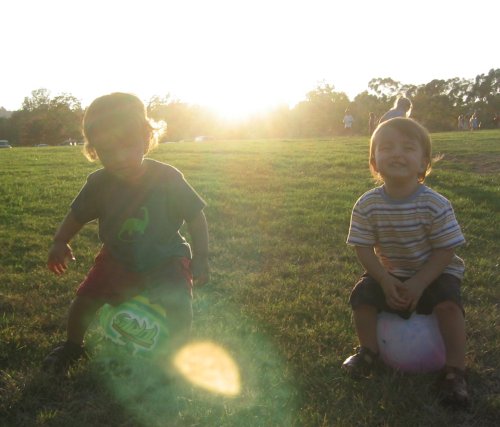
{"x":385,"y":87}
{"x":40,"y":100}
{"x":46,"y":120}
{"x":364,"y":103}
{"x":184,"y":121}
{"x":434,"y":107}
{"x":484,"y":97}
{"x":321,"y":113}
{"x":437,"y":104}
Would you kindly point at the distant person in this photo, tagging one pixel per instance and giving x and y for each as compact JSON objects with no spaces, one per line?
{"x":348,"y":121}
{"x":140,"y":205}
{"x":466,"y":122}
{"x":496,"y":121}
{"x":405,"y":235}
{"x":372,"y":122}
{"x":474,"y":122}
{"x":402,"y":108}
{"x":461,"y":123}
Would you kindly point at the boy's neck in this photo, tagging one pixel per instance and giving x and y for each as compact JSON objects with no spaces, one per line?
{"x":399,"y":190}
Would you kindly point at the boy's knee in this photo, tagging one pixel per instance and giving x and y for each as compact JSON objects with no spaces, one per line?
{"x":86,"y":303}
{"x":447,"y":307}
{"x":365,"y":308}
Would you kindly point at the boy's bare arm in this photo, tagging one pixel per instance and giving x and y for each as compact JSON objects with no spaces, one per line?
{"x":60,"y":251}
{"x":391,"y":286}
{"x":198,"y":230}
{"x":430,"y":271}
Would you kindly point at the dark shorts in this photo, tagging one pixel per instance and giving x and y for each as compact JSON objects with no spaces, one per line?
{"x":445,"y":288}
{"x":109,"y":281}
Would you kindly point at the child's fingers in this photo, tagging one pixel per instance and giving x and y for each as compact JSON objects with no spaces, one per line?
{"x":57,"y":268}
{"x":397,"y":302}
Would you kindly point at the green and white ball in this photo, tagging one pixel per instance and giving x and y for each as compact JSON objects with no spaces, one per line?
{"x":137,"y":325}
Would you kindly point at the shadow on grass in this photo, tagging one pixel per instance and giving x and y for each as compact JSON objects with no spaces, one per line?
{"x":109,"y":393}
{"x":391,"y":398}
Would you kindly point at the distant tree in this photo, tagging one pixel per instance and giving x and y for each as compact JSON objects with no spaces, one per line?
{"x":364,"y":103}
{"x":7,"y":130}
{"x":321,"y":113}
{"x":437,"y":104}
{"x":184,"y":121}
{"x":46,"y":120}
{"x":385,"y":87}
{"x":484,"y":97}
{"x":434,"y":107}
{"x":39,"y":100}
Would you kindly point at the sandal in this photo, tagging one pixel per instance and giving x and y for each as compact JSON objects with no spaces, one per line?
{"x":361,"y":364}
{"x":453,"y":387}
{"x":61,"y":357}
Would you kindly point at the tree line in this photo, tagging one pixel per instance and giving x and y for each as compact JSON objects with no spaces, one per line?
{"x":44,"y":119}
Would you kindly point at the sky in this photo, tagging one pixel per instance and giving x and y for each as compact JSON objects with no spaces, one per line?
{"x":238,"y":57}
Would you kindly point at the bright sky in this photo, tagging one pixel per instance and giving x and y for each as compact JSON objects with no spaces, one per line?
{"x":238,"y":56}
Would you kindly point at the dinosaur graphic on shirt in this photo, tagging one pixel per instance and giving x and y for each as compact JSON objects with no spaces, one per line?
{"x":132,"y":227}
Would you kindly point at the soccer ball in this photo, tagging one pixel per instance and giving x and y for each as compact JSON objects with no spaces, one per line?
{"x":411,"y":345}
{"x":137,"y":325}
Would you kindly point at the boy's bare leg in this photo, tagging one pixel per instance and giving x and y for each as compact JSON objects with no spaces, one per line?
{"x":452,"y":326}
{"x":365,"y":322}
{"x":81,"y":313}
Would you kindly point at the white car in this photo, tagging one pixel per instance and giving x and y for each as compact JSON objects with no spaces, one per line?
{"x":4,"y":144}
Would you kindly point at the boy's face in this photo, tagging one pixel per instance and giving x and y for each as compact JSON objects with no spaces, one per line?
{"x":397,"y":157}
{"x":121,"y":154}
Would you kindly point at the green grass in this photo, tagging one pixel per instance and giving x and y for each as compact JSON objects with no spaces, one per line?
{"x":278,"y":213}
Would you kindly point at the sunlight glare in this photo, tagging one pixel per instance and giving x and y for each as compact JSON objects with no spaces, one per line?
{"x":209,"y":366}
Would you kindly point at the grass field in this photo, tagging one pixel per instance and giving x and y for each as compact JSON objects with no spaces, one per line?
{"x":278,"y":213}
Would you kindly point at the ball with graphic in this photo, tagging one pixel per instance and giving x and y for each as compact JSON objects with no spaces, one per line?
{"x":137,"y":325}
{"x":413,"y":345}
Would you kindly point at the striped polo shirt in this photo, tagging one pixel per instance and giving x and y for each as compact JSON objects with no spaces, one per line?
{"x":405,"y":232}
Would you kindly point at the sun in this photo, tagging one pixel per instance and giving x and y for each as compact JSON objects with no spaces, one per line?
{"x":233,"y":108}
{"x":236,"y":98}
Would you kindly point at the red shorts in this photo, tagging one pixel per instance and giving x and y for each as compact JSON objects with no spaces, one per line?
{"x":108,"y":280}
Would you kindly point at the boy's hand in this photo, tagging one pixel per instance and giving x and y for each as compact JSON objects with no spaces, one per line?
{"x":200,"y":270}
{"x":394,"y":291}
{"x":412,"y":292}
{"x":59,"y":254}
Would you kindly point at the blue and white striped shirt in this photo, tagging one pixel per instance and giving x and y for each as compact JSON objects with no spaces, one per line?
{"x":405,"y":232}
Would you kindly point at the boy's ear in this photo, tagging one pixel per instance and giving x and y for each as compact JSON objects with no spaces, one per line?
{"x":373,"y":164}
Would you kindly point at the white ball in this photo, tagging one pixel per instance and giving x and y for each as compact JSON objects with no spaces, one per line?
{"x":413,"y":345}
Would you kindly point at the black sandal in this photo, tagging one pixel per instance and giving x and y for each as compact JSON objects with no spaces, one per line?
{"x":452,"y":387}
{"x":361,"y":364}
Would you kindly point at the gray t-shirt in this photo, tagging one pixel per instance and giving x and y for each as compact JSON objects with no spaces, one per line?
{"x":139,"y":223}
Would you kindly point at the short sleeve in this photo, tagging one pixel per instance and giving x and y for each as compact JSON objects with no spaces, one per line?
{"x":361,"y":231}
{"x":85,"y":205}
{"x":188,"y":202}
{"x":445,"y":231}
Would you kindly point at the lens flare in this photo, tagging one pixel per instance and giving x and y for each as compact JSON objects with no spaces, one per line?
{"x":209,"y":366}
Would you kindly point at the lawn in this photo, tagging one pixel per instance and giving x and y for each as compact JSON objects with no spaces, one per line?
{"x":278,"y":214}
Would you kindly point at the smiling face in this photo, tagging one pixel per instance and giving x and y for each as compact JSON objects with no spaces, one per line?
{"x":121,"y":154}
{"x":398,"y":157}
{"x":400,"y":152}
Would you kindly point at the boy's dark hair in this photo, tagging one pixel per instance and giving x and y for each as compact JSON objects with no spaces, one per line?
{"x":411,"y":129}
